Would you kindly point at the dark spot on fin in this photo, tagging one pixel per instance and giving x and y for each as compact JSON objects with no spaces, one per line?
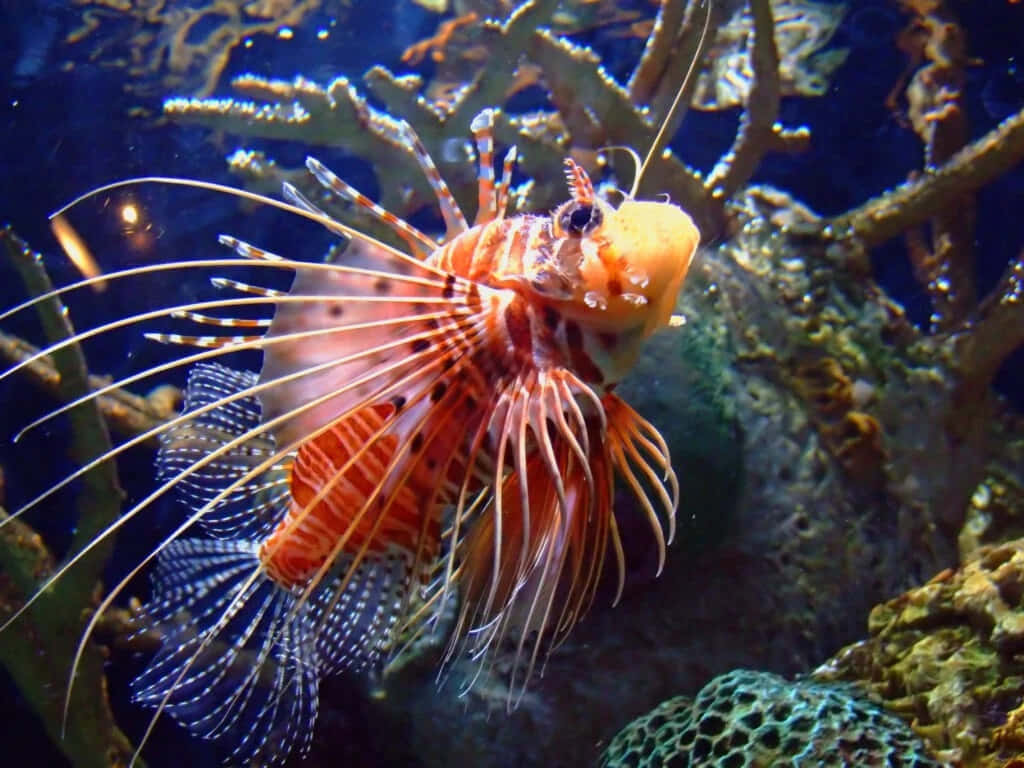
{"x":518,"y":325}
{"x":551,"y":317}
{"x":449,"y":287}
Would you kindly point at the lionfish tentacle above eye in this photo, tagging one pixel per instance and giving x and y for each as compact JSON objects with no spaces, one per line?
{"x":580,"y":185}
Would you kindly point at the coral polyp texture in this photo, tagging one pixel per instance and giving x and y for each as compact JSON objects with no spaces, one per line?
{"x":746,"y":719}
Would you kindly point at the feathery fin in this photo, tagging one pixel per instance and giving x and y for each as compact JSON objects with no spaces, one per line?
{"x":253,"y":687}
{"x":251,"y":510}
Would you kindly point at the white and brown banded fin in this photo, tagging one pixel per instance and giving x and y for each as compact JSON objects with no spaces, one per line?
{"x":501,"y":194}
{"x":251,"y":510}
{"x":636,"y":446}
{"x":482,"y":127}
{"x":247,"y":250}
{"x":238,"y":285}
{"x":455,"y":221}
{"x":205,"y":342}
{"x":293,"y":195}
{"x":237,"y":661}
{"x":355,"y":623}
{"x":529,"y":563}
{"x":223,"y":322}
{"x":419,"y":243}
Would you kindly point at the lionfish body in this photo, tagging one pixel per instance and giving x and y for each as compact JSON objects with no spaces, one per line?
{"x":427,"y":426}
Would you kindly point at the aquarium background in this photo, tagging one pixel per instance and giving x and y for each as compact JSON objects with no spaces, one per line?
{"x":74,"y":117}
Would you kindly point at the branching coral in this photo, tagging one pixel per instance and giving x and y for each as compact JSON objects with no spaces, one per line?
{"x":591,"y":110}
{"x":157,"y":40}
{"x":802,"y":30}
{"x":38,"y":650}
{"x":124,"y":412}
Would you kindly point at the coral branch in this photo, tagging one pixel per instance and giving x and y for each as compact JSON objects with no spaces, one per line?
{"x":125,"y":413}
{"x":802,"y":29}
{"x":651,"y":68}
{"x":591,"y":109}
{"x":301,"y":110}
{"x":575,"y":78}
{"x":895,"y":211}
{"x":944,"y":261}
{"x":37,"y":651}
{"x":688,"y":57}
{"x":758,"y":132}
{"x":99,"y":502}
{"x":983,"y":346}
{"x":182,"y":47}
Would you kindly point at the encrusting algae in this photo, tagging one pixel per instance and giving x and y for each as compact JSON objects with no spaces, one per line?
{"x":813,"y":386}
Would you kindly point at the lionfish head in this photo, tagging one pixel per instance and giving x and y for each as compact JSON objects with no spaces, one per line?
{"x":631,"y":260}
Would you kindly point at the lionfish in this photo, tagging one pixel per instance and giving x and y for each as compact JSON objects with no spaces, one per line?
{"x":431,"y":425}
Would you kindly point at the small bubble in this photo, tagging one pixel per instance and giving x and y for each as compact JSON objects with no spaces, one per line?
{"x":637,"y":277}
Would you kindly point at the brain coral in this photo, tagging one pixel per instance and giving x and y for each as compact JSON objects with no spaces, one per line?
{"x":746,"y":719}
{"x":948,"y":654}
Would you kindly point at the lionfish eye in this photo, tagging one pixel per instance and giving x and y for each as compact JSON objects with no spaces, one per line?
{"x":581,"y":219}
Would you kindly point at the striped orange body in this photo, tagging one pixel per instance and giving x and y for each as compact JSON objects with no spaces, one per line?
{"x":302,"y":541}
{"x":560,"y":309}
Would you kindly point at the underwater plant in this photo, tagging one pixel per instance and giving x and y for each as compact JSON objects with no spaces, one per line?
{"x":810,"y":385}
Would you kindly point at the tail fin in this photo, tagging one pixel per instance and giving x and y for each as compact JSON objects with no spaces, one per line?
{"x":238,"y":662}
